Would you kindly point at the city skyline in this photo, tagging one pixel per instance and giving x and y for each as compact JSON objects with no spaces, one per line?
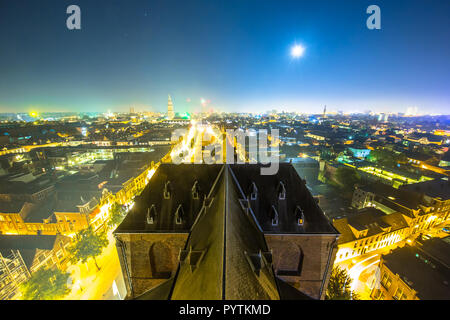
{"x":233,"y":57}
{"x":257,"y":150}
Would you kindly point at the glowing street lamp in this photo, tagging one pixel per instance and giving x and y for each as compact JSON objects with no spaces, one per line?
{"x":297,"y":51}
{"x":34,"y":114}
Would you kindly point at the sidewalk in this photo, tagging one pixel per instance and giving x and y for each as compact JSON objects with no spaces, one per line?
{"x":94,"y":284}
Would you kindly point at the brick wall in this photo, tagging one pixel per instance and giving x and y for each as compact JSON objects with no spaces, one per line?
{"x":316,"y":251}
{"x":151,"y":258}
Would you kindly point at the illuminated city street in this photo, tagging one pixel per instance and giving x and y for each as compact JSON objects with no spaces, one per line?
{"x":364,"y":271}
{"x":90,"y":284}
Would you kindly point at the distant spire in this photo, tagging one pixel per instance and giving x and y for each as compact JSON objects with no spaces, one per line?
{"x":170,"y":113}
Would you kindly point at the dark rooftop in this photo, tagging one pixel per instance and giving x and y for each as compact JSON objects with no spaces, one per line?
{"x":169,"y":188}
{"x":26,"y":244}
{"x":287,"y":193}
{"x":179,"y":182}
{"x":44,"y":242}
{"x":14,"y":206}
{"x":7,"y":186}
{"x":370,"y":219}
{"x":438,"y":188}
{"x":226,"y":256}
{"x":397,"y":199}
{"x":422,"y":269}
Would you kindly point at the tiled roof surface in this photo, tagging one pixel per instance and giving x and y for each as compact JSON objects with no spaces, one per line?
{"x":226,"y":255}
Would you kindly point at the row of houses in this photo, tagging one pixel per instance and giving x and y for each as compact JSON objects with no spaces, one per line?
{"x":386,"y":216}
{"x":21,"y":256}
{"x":35,"y":233}
{"x":415,"y":272}
{"x":74,"y":202}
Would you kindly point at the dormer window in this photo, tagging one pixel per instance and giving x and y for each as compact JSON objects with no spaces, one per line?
{"x":179,"y":214}
{"x":167,"y":191}
{"x":195,"y":190}
{"x":151,"y":214}
{"x":253,"y":192}
{"x":274,"y":216}
{"x":255,"y":261}
{"x":299,"y":216}
{"x":281,"y":191}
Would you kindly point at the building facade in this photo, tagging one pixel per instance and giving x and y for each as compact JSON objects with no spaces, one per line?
{"x":22,"y":255}
{"x":419,"y":272}
{"x":401,"y":214}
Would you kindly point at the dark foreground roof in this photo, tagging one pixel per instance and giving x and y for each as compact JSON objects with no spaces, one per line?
{"x":181,"y":180}
{"x":226,"y":255}
{"x":297,"y":195}
{"x":177,"y":181}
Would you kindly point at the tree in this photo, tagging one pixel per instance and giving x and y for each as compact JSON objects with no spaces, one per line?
{"x":347,"y":177}
{"x":87,"y":245}
{"x":46,"y":284}
{"x":387,"y":158}
{"x":117,"y":215}
{"x":339,"y":286}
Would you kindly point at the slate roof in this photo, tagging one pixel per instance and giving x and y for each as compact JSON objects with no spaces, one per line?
{"x":431,"y":137}
{"x":20,"y":187}
{"x":417,"y":155}
{"x":44,"y":242}
{"x":437,"y":188}
{"x":421,"y":269}
{"x":14,"y":206}
{"x":297,"y":194}
{"x":370,"y":219}
{"x":160,"y":292}
{"x":226,"y":256}
{"x":41,"y":211}
{"x":446,"y":156}
{"x":181,"y":180}
{"x":27,"y":245}
{"x":207,"y":237}
{"x":397,"y":199}
{"x":71,"y":204}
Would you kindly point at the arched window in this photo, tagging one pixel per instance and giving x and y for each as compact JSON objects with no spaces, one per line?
{"x":253,"y":191}
{"x":299,"y":216}
{"x":161,"y":260}
{"x":289,"y":259}
{"x":281,"y":191}
{"x":195,"y":190}
{"x":151,"y":214}
{"x":274,"y":216}
{"x":167,"y":190}
{"x":179,"y":215}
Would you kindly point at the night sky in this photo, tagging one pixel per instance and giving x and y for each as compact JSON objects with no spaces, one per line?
{"x":235,"y":54}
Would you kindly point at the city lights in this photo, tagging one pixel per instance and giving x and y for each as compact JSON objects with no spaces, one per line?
{"x":236,"y":152}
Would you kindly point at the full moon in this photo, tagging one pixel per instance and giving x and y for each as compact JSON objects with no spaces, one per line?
{"x":297,"y":51}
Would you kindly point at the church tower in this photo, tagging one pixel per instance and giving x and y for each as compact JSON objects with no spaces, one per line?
{"x":170,"y":113}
